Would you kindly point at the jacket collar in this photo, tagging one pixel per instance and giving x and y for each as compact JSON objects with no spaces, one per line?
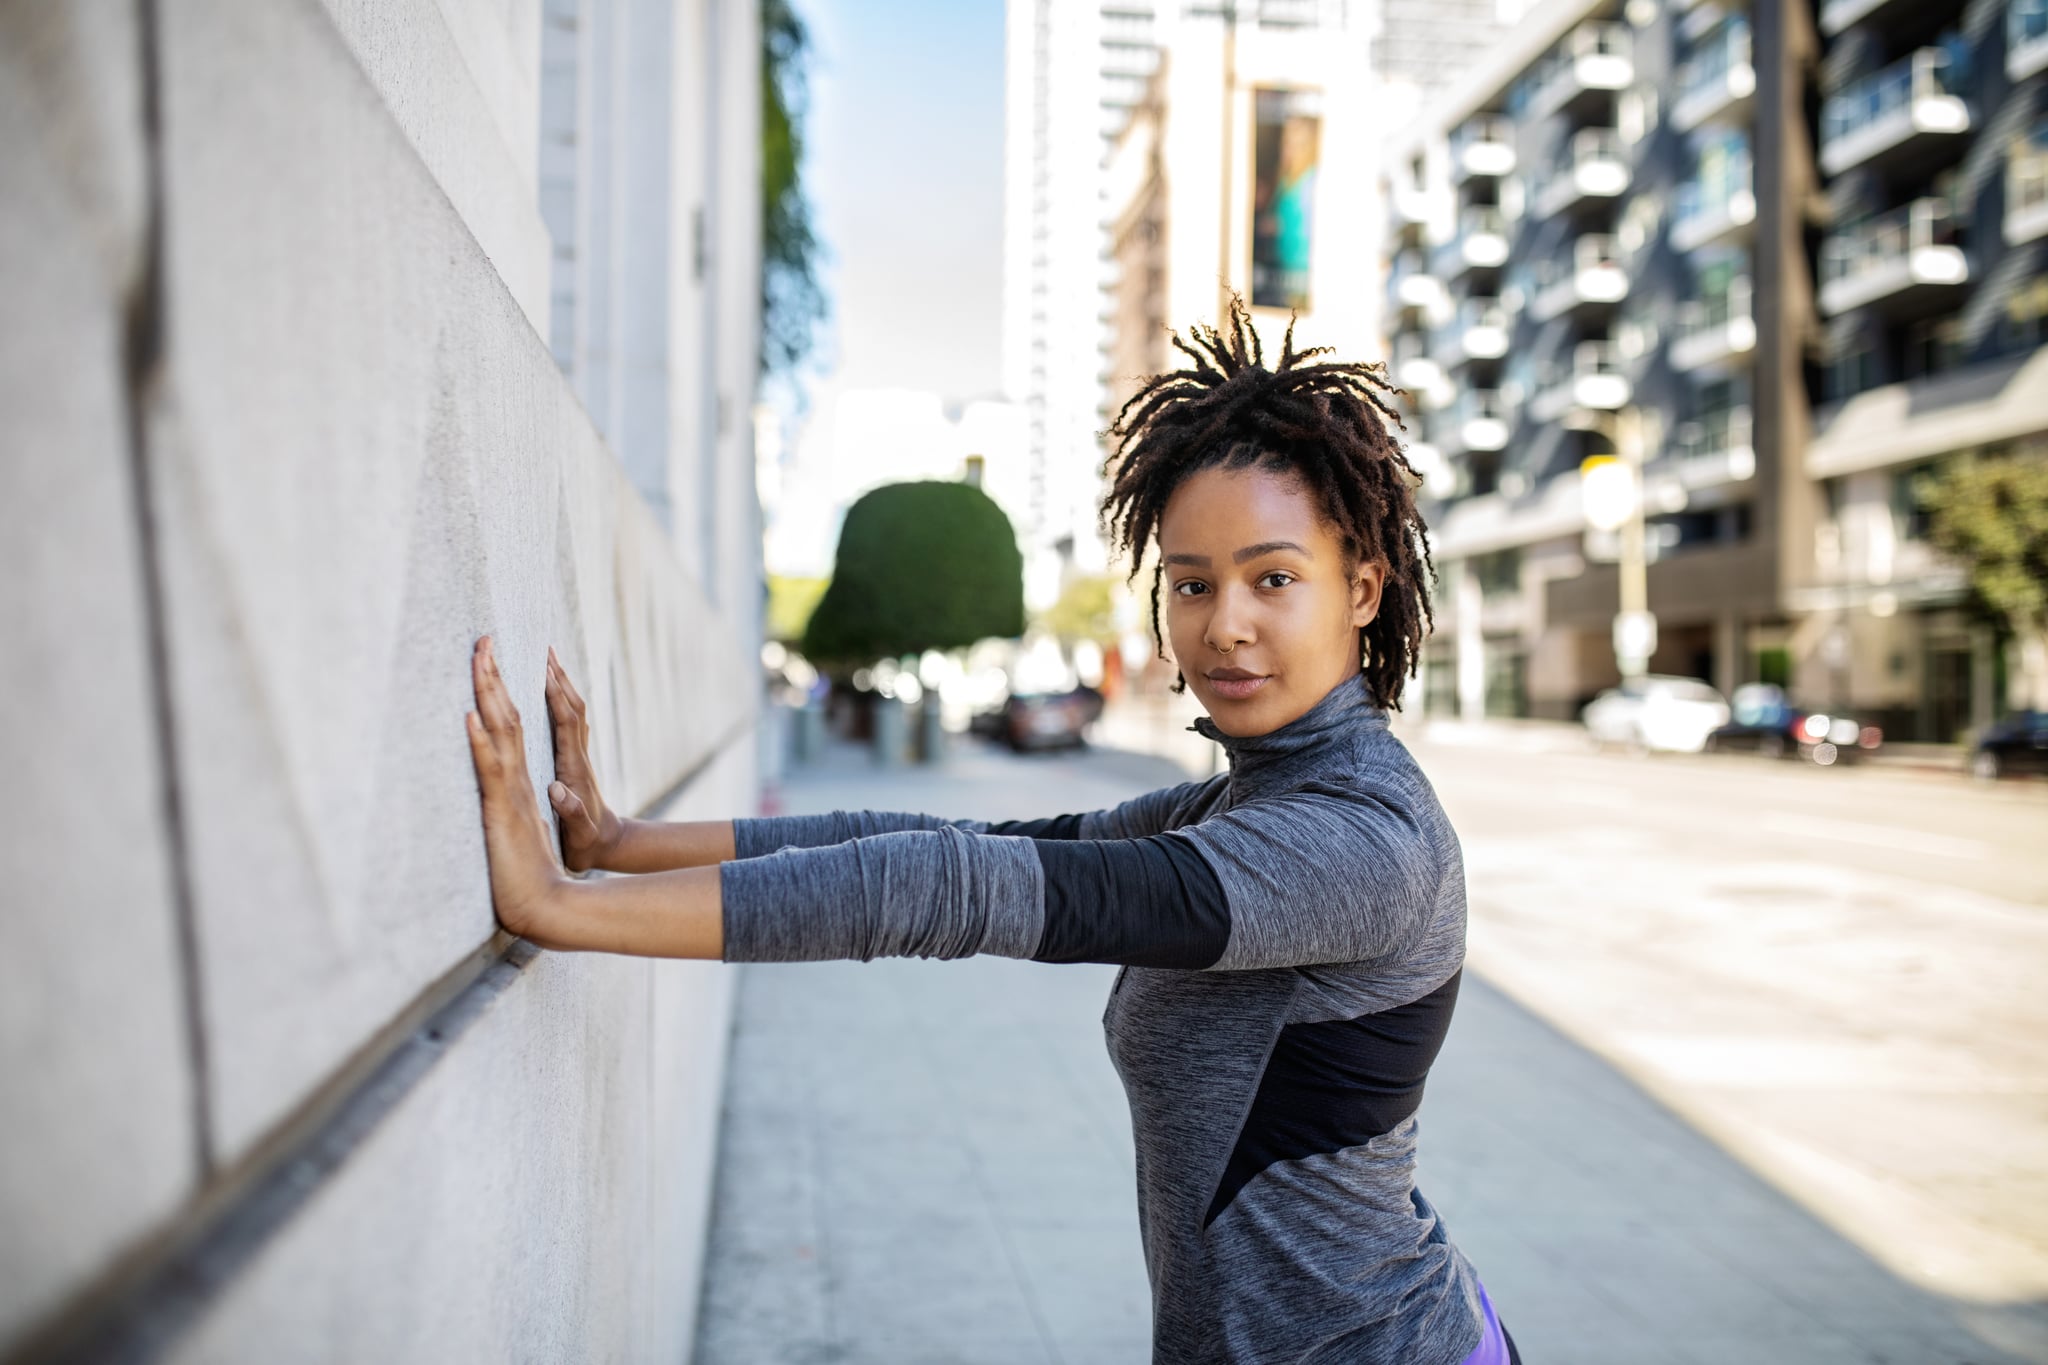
{"x":1259,"y":762}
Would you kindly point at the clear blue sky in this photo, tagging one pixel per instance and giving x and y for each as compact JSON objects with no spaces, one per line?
{"x":905,"y":173}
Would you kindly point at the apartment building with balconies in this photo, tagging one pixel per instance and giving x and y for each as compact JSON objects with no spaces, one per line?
{"x":1805,"y":245}
{"x":1572,"y":232}
{"x":1932,"y":287}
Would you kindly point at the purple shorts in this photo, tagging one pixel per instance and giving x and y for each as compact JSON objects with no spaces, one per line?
{"x":1493,"y":1346}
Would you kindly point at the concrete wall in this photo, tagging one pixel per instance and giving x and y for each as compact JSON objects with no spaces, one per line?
{"x":281,"y":435}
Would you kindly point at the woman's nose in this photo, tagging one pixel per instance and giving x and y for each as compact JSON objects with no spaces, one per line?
{"x":1230,"y":623}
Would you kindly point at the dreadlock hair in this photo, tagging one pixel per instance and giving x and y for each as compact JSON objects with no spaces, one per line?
{"x":1325,"y":423}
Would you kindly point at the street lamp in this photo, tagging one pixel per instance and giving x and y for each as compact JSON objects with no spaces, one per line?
{"x":1611,"y":489}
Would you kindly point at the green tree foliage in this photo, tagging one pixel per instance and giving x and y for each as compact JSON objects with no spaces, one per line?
{"x":1993,"y":515}
{"x":791,"y":301}
{"x":1083,"y":612}
{"x":920,"y":566}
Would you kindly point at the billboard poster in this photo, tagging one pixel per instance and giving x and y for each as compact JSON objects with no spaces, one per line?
{"x":1287,"y":148}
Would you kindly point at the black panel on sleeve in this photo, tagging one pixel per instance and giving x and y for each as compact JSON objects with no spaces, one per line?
{"x":1149,"y":902}
{"x":1052,"y":827}
{"x":1336,"y":1084}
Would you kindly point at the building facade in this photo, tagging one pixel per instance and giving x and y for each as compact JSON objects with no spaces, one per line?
{"x":1629,"y":219}
{"x":283,"y":433}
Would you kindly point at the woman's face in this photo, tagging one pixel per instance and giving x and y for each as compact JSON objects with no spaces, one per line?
{"x":1263,"y":616}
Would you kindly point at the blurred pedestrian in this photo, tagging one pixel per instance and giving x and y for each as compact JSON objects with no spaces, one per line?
{"x":1292,"y":931}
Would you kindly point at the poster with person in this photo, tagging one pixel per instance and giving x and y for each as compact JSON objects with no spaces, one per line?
{"x":1287,"y":136}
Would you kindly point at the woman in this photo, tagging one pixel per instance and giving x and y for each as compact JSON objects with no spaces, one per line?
{"x":1291,"y":931}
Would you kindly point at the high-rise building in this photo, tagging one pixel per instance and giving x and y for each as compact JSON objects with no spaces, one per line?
{"x":1078,"y":73}
{"x":1627,"y":212}
{"x":1068,"y":65}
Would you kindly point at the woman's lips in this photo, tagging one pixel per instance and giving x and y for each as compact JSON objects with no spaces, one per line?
{"x":1236,"y":689}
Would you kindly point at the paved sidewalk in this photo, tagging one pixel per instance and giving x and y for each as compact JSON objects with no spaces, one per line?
{"x":931,"y":1162}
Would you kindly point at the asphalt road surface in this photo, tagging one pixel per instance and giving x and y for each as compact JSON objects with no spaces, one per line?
{"x":1840,"y":976}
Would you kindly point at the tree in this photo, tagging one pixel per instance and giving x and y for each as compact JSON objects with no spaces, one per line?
{"x":1085,"y":611}
{"x":791,"y":301}
{"x":920,"y":566}
{"x":1993,"y":515}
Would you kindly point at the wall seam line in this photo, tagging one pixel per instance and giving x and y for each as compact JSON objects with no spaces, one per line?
{"x":143,"y":369}
{"x":141,"y":1307}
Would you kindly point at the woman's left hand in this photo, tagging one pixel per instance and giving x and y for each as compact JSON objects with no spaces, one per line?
{"x":527,"y":883}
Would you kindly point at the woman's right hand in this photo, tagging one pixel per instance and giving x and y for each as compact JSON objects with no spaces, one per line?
{"x":590,"y":832}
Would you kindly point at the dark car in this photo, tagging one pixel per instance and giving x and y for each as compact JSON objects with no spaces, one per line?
{"x":2017,"y":744}
{"x":1041,"y":720}
{"x":1763,"y":720}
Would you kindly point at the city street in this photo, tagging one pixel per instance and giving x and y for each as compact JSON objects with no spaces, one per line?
{"x":1747,"y":1069}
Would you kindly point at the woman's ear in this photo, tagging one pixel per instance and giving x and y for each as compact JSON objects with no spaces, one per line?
{"x":1367,"y":581}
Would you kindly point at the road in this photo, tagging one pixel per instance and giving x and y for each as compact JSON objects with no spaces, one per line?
{"x":1837,"y":975}
{"x":1749,"y":1067}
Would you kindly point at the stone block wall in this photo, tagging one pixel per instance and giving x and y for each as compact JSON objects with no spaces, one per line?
{"x":280,"y":435}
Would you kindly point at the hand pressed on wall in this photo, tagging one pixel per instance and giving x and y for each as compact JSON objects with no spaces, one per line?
{"x":526,"y":878}
{"x":673,"y":908}
{"x":590,"y":831}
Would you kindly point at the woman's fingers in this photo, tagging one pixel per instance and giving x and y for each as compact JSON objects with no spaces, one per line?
{"x":493,"y":700}
{"x":566,"y":804}
{"x":570,"y":696}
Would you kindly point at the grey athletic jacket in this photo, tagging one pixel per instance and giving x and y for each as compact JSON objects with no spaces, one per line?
{"x":1292,"y":933}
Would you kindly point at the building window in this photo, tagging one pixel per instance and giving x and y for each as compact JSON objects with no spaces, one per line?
{"x":1934,"y":346}
{"x":2021,"y":326}
{"x":1910,"y":516}
{"x":1499,"y":573}
{"x":1849,"y":372}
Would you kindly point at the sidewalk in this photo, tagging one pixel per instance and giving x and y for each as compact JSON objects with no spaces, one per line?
{"x":931,"y":1162}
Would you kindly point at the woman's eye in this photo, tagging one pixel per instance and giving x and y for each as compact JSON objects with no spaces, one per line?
{"x":1276,"y":579}
{"x":1190,"y":587}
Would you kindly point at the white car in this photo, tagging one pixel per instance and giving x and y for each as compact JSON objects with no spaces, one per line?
{"x":1656,"y":712}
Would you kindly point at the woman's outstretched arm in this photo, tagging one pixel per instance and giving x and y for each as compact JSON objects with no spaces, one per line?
{"x":595,"y":837}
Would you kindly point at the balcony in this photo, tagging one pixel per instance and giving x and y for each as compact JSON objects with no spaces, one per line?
{"x":1711,"y":450}
{"x":1595,"y":166}
{"x":1481,"y":243}
{"x":1439,"y":480}
{"x":2026,"y":38}
{"x":1482,"y":146}
{"x":1594,"y":380}
{"x":1716,"y":334}
{"x":1476,"y":423}
{"x":1479,"y":332}
{"x":1911,"y":102}
{"x":1595,"y":276}
{"x":1594,"y":60}
{"x":1716,"y":212}
{"x":1411,"y":210}
{"x":1415,"y":369}
{"x":1718,"y":82}
{"x":1410,"y":286}
{"x":1892,"y":260}
{"x":1836,"y":15}
{"x":2026,"y":188}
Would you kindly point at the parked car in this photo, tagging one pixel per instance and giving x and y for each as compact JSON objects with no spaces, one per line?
{"x":1656,"y":711}
{"x":1765,"y":721}
{"x":1043,"y":720}
{"x":2017,"y":744}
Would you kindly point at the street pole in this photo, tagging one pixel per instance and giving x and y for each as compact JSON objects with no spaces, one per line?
{"x":1633,"y":661}
{"x":1223,"y":253}
{"x":1611,"y":489}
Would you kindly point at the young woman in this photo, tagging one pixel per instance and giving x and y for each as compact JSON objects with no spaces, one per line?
{"x":1292,"y":931}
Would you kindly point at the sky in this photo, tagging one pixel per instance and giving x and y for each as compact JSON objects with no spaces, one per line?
{"x":905,"y":175}
{"x":904,"y":171}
